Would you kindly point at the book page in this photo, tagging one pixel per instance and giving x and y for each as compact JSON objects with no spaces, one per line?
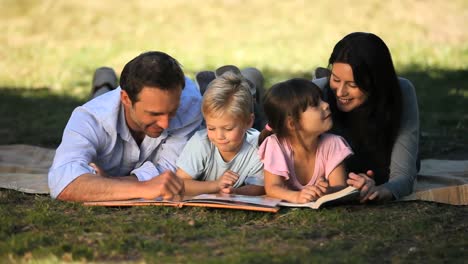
{"x":348,"y":193}
{"x":235,"y":198}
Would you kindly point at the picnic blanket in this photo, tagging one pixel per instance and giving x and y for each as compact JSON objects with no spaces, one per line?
{"x":24,"y":168}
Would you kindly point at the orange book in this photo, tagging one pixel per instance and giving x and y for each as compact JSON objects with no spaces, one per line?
{"x":228,"y":201}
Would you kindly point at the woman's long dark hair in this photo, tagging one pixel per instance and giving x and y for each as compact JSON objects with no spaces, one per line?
{"x":372,"y":128}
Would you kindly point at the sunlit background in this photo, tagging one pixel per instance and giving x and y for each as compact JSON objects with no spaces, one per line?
{"x":58,"y":44}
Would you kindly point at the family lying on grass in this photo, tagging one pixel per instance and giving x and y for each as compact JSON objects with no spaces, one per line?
{"x":159,"y":134}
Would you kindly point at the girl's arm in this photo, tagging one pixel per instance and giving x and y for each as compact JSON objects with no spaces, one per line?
{"x":275,"y":187}
{"x":337,"y":179}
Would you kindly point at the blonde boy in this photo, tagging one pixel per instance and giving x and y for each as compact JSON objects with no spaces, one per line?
{"x":223,"y":157}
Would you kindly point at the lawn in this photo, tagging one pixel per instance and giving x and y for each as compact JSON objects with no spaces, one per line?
{"x":49,"y":50}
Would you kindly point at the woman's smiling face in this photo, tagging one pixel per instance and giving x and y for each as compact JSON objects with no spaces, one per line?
{"x":348,"y":95}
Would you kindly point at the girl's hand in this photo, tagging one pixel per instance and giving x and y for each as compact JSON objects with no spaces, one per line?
{"x":227,"y":181}
{"x":308,"y":194}
{"x":323,"y":185}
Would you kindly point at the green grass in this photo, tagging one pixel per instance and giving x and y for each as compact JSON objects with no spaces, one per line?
{"x":400,"y":232}
{"x":49,"y":50}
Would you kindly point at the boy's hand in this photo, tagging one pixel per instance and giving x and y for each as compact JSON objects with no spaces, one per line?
{"x":228,"y":190}
{"x":227,"y":180}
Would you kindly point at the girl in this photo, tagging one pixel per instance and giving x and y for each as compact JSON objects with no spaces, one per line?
{"x":301,"y":163}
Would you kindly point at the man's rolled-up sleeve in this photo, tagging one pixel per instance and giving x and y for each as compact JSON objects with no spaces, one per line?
{"x":76,"y":151}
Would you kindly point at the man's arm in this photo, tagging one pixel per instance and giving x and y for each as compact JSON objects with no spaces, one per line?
{"x":94,"y":187}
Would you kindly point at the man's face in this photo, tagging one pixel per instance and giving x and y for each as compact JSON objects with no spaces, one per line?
{"x":151,"y":114}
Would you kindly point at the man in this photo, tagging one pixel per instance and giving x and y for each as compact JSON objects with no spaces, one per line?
{"x":124,"y":143}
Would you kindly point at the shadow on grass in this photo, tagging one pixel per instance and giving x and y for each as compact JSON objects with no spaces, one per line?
{"x":34,"y":116}
{"x":443,"y":100}
{"x":37,"y":116}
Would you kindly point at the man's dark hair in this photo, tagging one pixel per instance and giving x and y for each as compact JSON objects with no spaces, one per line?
{"x":151,"y":69}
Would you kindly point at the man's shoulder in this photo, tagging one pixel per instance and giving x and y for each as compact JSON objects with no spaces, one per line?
{"x":105,"y":105}
{"x":104,"y":109}
{"x":190,"y":97}
{"x":190,"y":106}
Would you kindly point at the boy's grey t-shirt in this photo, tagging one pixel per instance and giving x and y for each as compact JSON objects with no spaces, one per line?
{"x":201,"y":159}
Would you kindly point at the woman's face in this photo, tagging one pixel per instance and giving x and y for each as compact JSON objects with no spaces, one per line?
{"x":348,"y":95}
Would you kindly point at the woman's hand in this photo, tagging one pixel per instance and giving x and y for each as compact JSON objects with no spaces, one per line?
{"x":366,"y":184}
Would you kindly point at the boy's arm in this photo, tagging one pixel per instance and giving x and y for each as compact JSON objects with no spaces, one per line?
{"x":195,"y":187}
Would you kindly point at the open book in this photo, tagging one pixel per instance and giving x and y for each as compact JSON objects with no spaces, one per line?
{"x":348,"y":194}
{"x":235,"y":201}
{"x":229,"y":201}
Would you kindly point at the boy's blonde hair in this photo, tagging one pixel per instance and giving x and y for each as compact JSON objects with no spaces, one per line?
{"x":228,"y":94}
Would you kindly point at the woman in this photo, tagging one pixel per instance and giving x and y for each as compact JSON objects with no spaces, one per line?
{"x":377,"y":113}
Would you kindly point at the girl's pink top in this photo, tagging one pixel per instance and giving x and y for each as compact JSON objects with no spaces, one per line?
{"x":278,"y":158}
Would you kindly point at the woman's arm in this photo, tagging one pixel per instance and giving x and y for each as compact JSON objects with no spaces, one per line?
{"x":403,"y":168}
{"x":403,"y":165}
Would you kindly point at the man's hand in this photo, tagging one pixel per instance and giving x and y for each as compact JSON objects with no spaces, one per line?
{"x":167,"y":185}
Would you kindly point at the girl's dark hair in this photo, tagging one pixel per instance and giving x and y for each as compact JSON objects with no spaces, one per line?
{"x":152,"y":69}
{"x":372,"y":128}
{"x":287,"y":99}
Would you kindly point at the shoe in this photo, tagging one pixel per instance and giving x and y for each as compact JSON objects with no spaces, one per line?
{"x":255,"y":79}
{"x":321,"y":72}
{"x":227,"y":68}
{"x":203,"y":79}
{"x":104,"y":80}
